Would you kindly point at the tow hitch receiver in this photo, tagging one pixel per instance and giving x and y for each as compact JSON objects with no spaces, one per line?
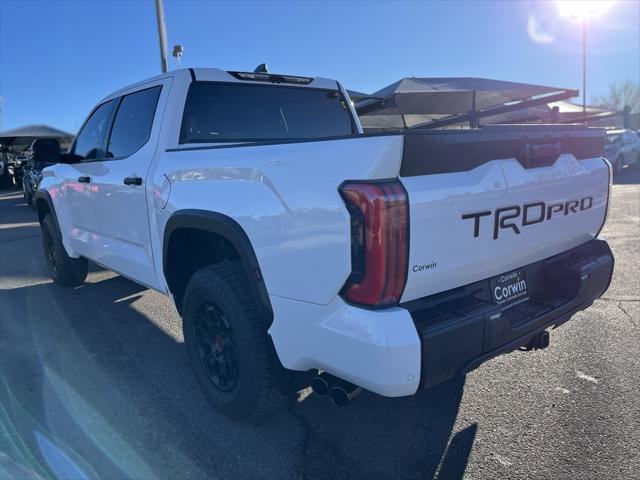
{"x":538,"y":342}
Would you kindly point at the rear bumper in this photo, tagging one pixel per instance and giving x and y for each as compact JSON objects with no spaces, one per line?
{"x":378,"y":350}
{"x":460,"y":329}
{"x":396,"y":351}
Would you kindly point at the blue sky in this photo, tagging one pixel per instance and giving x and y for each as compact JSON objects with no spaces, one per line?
{"x":58,"y":58}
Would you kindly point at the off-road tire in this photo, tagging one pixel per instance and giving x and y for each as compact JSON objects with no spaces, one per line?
{"x":257,"y":388}
{"x":64,"y":270}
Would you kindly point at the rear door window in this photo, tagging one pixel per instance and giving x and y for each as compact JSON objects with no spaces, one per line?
{"x":228,"y":112}
{"x":133,"y":122}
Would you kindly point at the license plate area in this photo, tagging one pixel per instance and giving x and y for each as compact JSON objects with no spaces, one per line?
{"x":509,"y":288}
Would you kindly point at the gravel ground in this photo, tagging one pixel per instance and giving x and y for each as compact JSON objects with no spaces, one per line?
{"x":95,"y":384}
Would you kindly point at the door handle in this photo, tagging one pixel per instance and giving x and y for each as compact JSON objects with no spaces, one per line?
{"x":133,"y":181}
{"x":84,"y":179}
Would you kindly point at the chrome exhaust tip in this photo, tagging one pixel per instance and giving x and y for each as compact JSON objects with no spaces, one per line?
{"x":323,"y":383}
{"x":343,"y":393}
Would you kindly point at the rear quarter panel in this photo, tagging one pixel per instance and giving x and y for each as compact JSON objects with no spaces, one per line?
{"x":286,"y":198}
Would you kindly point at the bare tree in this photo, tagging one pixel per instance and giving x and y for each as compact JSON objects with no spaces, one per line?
{"x":620,"y":95}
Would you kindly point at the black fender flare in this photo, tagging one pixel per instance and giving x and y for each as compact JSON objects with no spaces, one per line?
{"x":231,"y":231}
{"x":43,"y":195}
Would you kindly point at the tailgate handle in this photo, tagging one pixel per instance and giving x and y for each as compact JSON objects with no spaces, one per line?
{"x":533,"y":155}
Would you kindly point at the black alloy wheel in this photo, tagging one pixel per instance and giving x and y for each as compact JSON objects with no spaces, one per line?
{"x":217,"y":347}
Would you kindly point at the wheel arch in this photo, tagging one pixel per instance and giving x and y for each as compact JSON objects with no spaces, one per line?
{"x":44,"y":206}
{"x":221,"y":226}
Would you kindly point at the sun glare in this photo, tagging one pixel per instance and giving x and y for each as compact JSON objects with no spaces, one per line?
{"x":578,"y":9}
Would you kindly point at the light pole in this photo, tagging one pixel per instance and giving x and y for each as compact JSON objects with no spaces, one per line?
{"x":582,"y":10}
{"x":162,"y":33}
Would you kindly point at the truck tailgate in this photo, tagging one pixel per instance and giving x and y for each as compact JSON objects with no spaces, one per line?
{"x":485,"y":202}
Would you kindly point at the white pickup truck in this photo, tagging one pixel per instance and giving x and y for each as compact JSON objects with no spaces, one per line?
{"x":299,"y":251}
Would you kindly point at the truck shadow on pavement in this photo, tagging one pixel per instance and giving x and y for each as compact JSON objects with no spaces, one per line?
{"x":92,"y":386}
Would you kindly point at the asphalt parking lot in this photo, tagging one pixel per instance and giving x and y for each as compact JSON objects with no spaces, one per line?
{"x":95,"y":384}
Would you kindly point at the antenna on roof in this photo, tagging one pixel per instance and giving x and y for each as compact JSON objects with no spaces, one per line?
{"x":262,"y":68}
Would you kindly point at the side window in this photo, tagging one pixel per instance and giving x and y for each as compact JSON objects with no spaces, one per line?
{"x":91,"y":139}
{"x":133,"y":122}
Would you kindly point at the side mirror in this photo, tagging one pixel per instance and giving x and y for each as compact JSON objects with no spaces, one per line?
{"x":46,"y":150}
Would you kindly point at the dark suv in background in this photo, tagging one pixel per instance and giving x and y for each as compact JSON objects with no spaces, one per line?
{"x":15,"y":169}
{"x":43,"y":150}
{"x":622,"y":149}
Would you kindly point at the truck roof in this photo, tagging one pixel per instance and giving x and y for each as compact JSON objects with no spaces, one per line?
{"x":219,"y":75}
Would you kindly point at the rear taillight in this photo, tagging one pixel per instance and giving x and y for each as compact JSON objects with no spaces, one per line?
{"x":379,"y":242}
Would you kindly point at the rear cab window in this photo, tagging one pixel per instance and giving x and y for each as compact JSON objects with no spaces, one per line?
{"x":218,"y":112}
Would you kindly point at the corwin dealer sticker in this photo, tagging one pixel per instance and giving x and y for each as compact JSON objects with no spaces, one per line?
{"x":509,"y":287}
